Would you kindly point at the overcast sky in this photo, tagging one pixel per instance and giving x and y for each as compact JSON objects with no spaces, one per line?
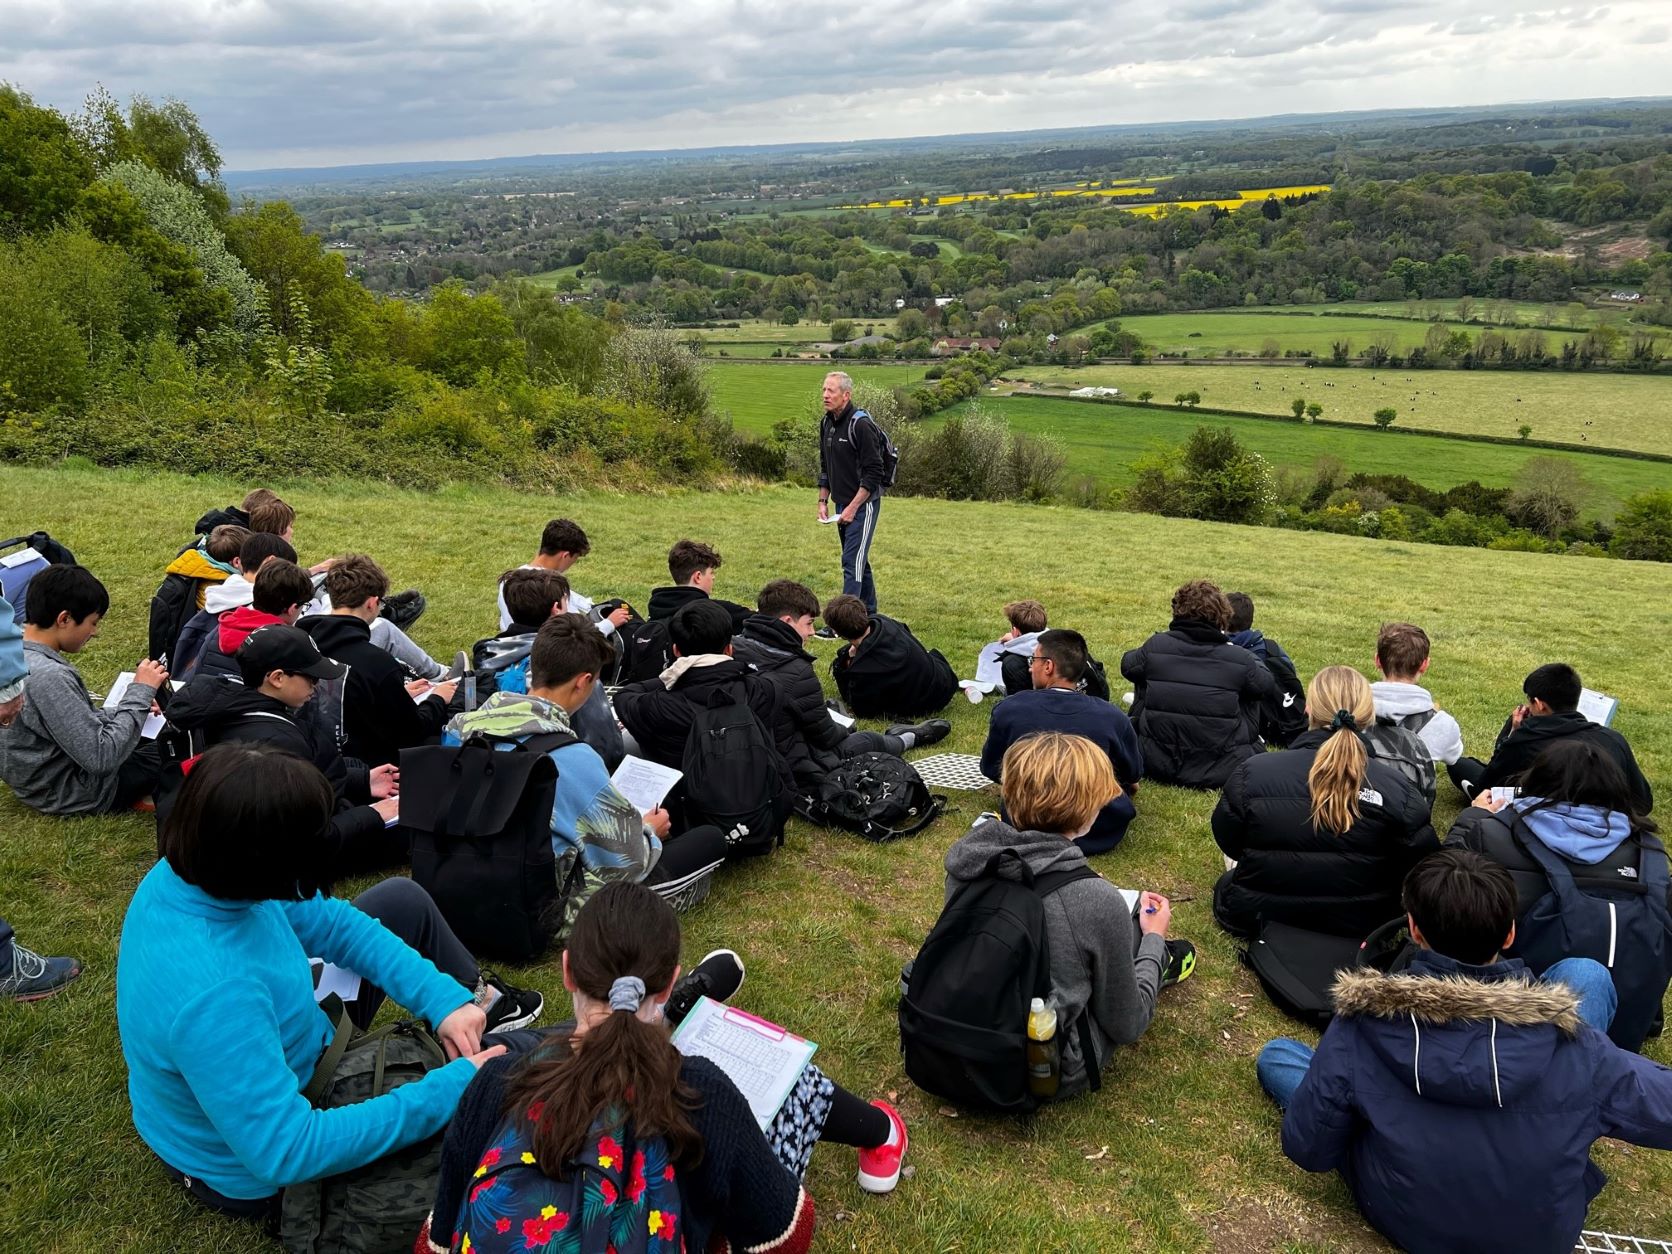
{"x":328,"y":82}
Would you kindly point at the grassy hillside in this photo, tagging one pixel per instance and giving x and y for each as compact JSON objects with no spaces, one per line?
{"x":1613,"y":410}
{"x":1178,"y":1152}
{"x":758,"y":394}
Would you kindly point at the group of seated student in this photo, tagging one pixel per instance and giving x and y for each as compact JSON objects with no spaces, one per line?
{"x":1001,"y":666}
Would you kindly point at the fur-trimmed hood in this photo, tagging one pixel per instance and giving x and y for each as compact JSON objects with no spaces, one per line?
{"x":1520,"y":1001}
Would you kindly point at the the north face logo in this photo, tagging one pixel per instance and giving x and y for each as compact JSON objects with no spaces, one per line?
{"x":1630,"y":872}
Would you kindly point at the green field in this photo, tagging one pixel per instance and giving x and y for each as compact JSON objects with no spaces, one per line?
{"x":1612,"y":410}
{"x":1566,"y":315}
{"x":756,"y":395}
{"x":549,"y":278}
{"x":1178,"y":1152}
{"x":1103,"y":440}
{"x":1212,"y":334}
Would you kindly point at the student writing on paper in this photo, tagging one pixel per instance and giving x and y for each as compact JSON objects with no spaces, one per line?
{"x":685,"y":1153}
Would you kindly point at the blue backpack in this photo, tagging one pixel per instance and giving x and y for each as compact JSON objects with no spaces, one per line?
{"x":1623,"y":924}
{"x":620,"y":1195}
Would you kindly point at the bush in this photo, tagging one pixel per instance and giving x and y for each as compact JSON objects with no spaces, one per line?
{"x":962,"y":460}
{"x":1225,"y":482}
{"x":1034,"y":464}
{"x":1643,"y":528}
{"x":1548,"y":495}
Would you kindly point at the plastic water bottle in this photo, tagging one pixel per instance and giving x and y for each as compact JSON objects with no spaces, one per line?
{"x":1044,"y":1063}
{"x":467,"y":682}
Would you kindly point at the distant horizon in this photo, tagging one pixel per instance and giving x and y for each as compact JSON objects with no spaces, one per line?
{"x":1009,"y":135}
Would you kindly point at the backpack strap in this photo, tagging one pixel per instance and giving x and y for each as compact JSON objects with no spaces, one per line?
{"x":1051,"y":881}
{"x":1045,"y":885}
{"x":331,"y":1059}
{"x":881,"y":833}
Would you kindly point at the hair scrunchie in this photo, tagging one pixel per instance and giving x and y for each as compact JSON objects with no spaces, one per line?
{"x":627,"y":993}
{"x":1344,"y":719}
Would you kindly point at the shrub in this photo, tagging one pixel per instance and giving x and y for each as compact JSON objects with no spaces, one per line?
{"x":1034,"y":465}
{"x":1224,"y":481}
{"x":1385,"y":416}
{"x":1643,"y":528}
{"x":1548,"y":495}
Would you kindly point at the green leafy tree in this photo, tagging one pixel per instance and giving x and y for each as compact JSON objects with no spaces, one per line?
{"x":1225,"y":481}
{"x":1298,"y":406}
{"x":1548,"y":495}
{"x":43,"y":358}
{"x":276,"y":250}
{"x":1179,"y":398}
{"x":1314,"y":411}
{"x":466,"y":337}
{"x":1524,"y":431}
{"x":1146,"y":396}
{"x":789,"y":315}
{"x":1643,"y":528}
{"x":1192,"y":399}
{"x":1384,"y":417}
{"x":841,"y":330}
{"x":43,"y":167}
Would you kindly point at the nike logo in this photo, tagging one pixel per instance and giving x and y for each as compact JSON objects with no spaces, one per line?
{"x":1288,"y":699}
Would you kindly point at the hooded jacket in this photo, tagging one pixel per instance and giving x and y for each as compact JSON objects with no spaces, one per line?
{"x":1100,"y":963}
{"x":1518,"y":746}
{"x":14,"y":668}
{"x":229,"y":514}
{"x":379,"y":718}
{"x":1396,"y":699}
{"x":890,"y":673}
{"x":806,"y":734}
{"x":181,"y":594}
{"x":501,"y":664}
{"x":219,"y":657}
{"x":1196,"y":704}
{"x":215,"y":711}
{"x":666,"y":602}
{"x":1460,"y":1104}
{"x":1345,"y":884}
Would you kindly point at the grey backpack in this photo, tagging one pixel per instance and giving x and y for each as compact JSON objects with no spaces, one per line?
{"x":1393,"y":739}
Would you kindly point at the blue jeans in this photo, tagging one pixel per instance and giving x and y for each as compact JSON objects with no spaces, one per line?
{"x":1282,"y":1064}
{"x":856,"y":553}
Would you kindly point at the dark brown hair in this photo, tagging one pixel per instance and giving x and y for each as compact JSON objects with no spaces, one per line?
{"x":1401,"y":649}
{"x":1463,"y":903}
{"x":1066,"y":649}
{"x":566,"y":645}
{"x":530,"y":594}
{"x":563,"y":536}
{"x":785,"y":596}
{"x":1242,"y":611}
{"x":847,"y":616}
{"x":687,"y":558}
{"x":623,"y":1070}
{"x":279,"y":585}
{"x":353,"y":580}
{"x":258,"y":496}
{"x":1202,"y":599}
{"x":272,"y":515}
{"x":260,"y":546}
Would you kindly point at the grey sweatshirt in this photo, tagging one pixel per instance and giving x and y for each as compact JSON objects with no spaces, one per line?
{"x":1100,"y":962}
{"x":61,"y":756}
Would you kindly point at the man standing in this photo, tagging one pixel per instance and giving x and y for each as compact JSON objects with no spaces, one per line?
{"x":850,"y":469}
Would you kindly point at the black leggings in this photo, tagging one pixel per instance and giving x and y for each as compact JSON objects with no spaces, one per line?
{"x":138,"y":776}
{"x":854,"y":1121}
{"x":687,"y":853}
{"x":871,"y":742}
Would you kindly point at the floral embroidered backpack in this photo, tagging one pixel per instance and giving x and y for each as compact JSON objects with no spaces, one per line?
{"x":620,"y":1198}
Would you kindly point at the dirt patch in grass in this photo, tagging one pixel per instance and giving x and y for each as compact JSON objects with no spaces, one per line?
{"x":1249,"y":1224}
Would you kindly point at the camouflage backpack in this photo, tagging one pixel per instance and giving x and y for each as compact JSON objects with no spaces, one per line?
{"x":380,"y":1207}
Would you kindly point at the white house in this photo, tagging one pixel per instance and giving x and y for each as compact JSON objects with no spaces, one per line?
{"x":1096,"y":393}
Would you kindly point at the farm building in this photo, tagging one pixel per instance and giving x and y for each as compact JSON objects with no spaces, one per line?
{"x":1096,"y":393}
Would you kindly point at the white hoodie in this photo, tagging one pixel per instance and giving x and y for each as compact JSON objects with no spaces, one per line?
{"x":1441,"y":733}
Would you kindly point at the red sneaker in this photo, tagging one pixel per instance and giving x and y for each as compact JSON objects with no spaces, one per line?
{"x":879,"y":1168}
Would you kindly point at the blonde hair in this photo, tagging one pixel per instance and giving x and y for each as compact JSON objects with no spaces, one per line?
{"x":1338,"y":771}
{"x":1054,"y":782}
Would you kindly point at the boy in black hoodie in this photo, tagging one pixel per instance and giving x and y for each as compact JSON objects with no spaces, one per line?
{"x":691,"y":566}
{"x":381,"y":713}
{"x":882,"y":669}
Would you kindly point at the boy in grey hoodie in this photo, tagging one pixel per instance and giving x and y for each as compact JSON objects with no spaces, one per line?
{"x":1108,"y":959}
{"x":1402,"y":659}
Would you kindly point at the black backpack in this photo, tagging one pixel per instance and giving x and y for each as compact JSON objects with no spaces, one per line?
{"x":643,"y":651}
{"x":1283,"y":714}
{"x":1017,"y":678}
{"x":1394,"y":740}
{"x":481,"y":826}
{"x":890,"y":453}
{"x":878,"y":795}
{"x":964,"y":1016}
{"x":1297,"y":967}
{"x":14,"y":580}
{"x":1623,"y":924}
{"x":731,"y":774}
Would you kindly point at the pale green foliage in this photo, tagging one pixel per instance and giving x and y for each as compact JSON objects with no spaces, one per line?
{"x":656,"y":368}
{"x":176,"y":213}
{"x":297,"y":367}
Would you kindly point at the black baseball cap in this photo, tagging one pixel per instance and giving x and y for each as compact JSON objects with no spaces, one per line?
{"x":288,"y":649}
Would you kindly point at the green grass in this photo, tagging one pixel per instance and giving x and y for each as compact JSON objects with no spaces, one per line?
{"x":1103,"y":440}
{"x":765,"y":331}
{"x":1213,"y":334}
{"x":756,"y":395}
{"x":1193,"y":1161}
{"x":1568,"y":315}
{"x":1611,"y":410}
{"x":549,"y":278}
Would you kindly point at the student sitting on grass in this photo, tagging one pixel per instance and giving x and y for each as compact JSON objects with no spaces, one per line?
{"x":562,"y":544}
{"x":1550,"y":713}
{"x":1459,"y":1099}
{"x":238,"y":514}
{"x":773,"y":641}
{"x":1283,"y":714}
{"x":279,"y":595}
{"x":1106,"y":961}
{"x":1055,"y":703}
{"x":1402,"y":660}
{"x":379,"y":715}
{"x":215,"y":1000}
{"x":199,"y":633}
{"x":678,"y":1148}
{"x":1320,"y":835}
{"x":590,"y":818}
{"x":692,"y":567}
{"x":62,"y":755}
{"x":882,"y":669}
{"x":1026,"y":619}
{"x":1197,"y":697}
{"x":207,"y":562}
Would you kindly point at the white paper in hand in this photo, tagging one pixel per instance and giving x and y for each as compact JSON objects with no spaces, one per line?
{"x":153,"y":723}
{"x":760,"y":1058}
{"x":645,"y":784}
{"x":1597,"y":706}
{"x":825,"y":522}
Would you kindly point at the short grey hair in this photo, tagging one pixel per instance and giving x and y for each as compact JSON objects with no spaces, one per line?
{"x":842,"y":380}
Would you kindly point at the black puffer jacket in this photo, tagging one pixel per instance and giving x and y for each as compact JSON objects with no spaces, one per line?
{"x":379,"y":717}
{"x":889,"y":672}
{"x":1196,"y":703}
{"x":1345,"y":884}
{"x":660,"y":717}
{"x":1489,"y":834}
{"x":666,"y":602}
{"x":804,"y":731}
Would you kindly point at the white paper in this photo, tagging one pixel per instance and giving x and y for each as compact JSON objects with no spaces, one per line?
{"x":1130,"y":896}
{"x":153,"y":723}
{"x":840,"y":719}
{"x":23,"y":555}
{"x":329,"y":978}
{"x":1599,"y":707}
{"x":762,"y":1059}
{"x":644,"y":783}
{"x":825,"y":522}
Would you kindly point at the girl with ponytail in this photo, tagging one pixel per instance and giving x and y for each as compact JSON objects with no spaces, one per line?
{"x":1320,"y":835}
{"x":610,"y":1129}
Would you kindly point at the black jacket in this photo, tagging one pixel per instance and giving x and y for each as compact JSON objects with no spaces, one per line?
{"x":666,"y":602}
{"x":1196,"y":703}
{"x":215,"y":711}
{"x":806,"y":734}
{"x":1518,"y":746}
{"x":1346,"y":884}
{"x":660,"y":718}
{"x":850,"y":456}
{"x":889,"y":672}
{"x":1283,"y":714}
{"x":379,"y":718}
{"x":229,"y":515}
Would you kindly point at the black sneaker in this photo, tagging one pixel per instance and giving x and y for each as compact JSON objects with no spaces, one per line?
{"x":1181,"y":962}
{"x":513,"y":1008}
{"x":824,"y":633}
{"x":717,"y":977}
{"x":404,"y":608}
{"x":926,"y":733}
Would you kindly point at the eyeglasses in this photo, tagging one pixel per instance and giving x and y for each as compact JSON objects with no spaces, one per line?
{"x":1036,"y":658}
